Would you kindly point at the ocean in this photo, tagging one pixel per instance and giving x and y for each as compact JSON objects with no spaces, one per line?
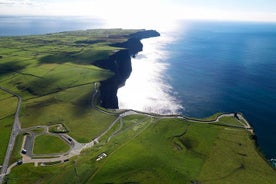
{"x":201,"y":68}
{"x":195,"y":68}
{"x":30,"y":25}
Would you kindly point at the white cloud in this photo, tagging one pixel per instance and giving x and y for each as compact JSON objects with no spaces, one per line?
{"x":16,"y":2}
{"x":129,"y":10}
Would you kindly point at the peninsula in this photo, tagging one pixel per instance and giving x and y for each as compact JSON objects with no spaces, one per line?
{"x":60,"y":122}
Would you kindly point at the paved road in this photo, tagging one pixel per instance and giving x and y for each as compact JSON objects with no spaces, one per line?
{"x":15,"y":131}
{"x":117,"y":131}
{"x":28,"y":143}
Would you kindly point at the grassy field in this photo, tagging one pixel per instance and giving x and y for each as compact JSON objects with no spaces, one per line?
{"x":5,"y":131}
{"x":168,"y":151}
{"x":238,"y":162}
{"x":15,"y":156}
{"x":8,"y":104}
{"x":48,"y":144}
{"x":53,"y":74}
{"x":71,"y":107}
{"x":7,"y":110}
{"x":148,"y":150}
{"x":230,"y":121}
{"x":38,"y":65}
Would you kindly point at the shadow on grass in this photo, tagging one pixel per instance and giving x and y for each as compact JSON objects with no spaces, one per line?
{"x":82,"y":104}
{"x":40,"y":87}
{"x":88,"y":42}
{"x":77,"y":57}
{"x":59,"y":58}
{"x":10,"y":67}
{"x":40,"y":104}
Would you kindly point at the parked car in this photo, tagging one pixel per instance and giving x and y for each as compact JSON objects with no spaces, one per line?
{"x":19,"y":162}
{"x":24,"y":151}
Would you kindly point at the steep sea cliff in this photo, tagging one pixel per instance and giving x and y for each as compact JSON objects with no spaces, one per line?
{"x":120,"y":64}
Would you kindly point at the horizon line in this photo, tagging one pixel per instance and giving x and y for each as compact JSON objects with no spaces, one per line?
{"x":174,"y":19}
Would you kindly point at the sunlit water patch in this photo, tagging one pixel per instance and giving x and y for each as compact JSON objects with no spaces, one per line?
{"x":146,"y":89}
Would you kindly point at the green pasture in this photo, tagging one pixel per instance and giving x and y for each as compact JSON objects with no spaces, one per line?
{"x":42,"y":64}
{"x":175,"y":151}
{"x":15,"y":156}
{"x":8,"y":104}
{"x":231,"y":121}
{"x":78,"y":170}
{"x":5,"y":131}
{"x":71,"y":107}
{"x":167,"y":151}
{"x":234,"y":159}
{"x":48,"y":144}
{"x":148,"y":150}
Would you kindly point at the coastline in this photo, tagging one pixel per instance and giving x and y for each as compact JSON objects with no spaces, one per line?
{"x":204,"y":82}
{"x":116,"y":130}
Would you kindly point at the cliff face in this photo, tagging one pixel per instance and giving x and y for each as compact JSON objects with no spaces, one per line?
{"x":133,"y":45}
{"x":120,"y":64}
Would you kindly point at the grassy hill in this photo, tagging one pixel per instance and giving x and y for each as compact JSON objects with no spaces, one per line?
{"x":54,"y":75}
{"x":152,"y":150}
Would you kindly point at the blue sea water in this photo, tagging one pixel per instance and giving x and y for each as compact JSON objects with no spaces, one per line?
{"x":227,"y":67}
{"x":196,"y":68}
{"x":29,"y":25}
{"x":211,"y":67}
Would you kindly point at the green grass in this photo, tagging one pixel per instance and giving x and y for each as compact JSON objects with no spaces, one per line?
{"x":8,"y":104}
{"x":5,"y":131}
{"x":77,"y":170}
{"x":161,"y":151}
{"x":38,"y":130}
{"x":230,"y":121}
{"x":26,"y":173}
{"x":234,"y":159}
{"x":173,"y":151}
{"x":212,"y":117}
{"x":71,"y":107}
{"x":60,"y":78}
{"x":154,"y":156}
{"x":17,"y":149}
{"x":58,"y":128}
{"x":42,"y":64}
{"x":48,"y":144}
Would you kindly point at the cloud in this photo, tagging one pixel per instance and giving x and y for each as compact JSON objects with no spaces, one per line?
{"x":7,"y":2}
{"x":16,"y":2}
{"x":134,"y":11}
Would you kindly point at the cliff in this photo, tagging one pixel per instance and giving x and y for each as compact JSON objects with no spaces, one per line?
{"x":120,"y":64}
{"x":133,"y":44}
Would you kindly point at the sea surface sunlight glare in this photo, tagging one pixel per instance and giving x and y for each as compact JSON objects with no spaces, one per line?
{"x":146,"y":89}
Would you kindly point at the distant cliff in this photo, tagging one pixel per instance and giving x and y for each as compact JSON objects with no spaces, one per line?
{"x":120,"y":64}
{"x":133,"y":44}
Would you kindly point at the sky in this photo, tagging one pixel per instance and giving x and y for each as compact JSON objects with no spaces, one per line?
{"x":148,"y":10}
